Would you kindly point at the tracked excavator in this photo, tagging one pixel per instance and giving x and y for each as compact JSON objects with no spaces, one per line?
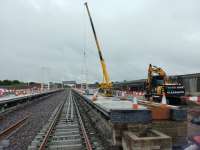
{"x":106,"y":85}
{"x":158,"y":84}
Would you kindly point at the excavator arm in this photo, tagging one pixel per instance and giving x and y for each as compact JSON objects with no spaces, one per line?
{"x":154,"y":70}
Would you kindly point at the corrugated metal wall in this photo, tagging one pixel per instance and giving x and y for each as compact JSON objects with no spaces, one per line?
{"x":190,"y":82}
{"x":198,"y":84}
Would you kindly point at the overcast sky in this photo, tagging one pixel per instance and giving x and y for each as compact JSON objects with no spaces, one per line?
{"x":44,"y":39}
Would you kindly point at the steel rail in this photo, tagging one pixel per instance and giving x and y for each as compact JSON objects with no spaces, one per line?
{"x":87,"y":141}
{"x":45,"y":139}
{"x":68,"y":106}
{"x":13,"y":127}
{"x":52,"y":125}
{"x":72,"y":110}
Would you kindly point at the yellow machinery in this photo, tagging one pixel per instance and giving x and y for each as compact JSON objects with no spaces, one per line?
{"x":106,"y":84}
{"x":157,"y":83}
{"x":161,"y":75}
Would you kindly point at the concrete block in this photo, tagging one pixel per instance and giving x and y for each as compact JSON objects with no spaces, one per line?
{"x":175,"y":129}
{"x":152,"y":140}
{"x":138,"y":127}
{"x":178,"y":114}
{"x":130,"y":116}
{"x":4,"y":143}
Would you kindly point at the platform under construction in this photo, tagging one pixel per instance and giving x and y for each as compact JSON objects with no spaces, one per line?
{"x":150,"y":126}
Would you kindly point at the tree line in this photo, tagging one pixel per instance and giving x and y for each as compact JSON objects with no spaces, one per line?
{"x":10,"y":82}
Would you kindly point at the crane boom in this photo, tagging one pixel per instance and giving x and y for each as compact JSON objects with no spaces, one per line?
{"x":106,"y":84}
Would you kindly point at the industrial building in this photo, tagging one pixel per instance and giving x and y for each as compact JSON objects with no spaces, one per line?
{"x":191,"y":82}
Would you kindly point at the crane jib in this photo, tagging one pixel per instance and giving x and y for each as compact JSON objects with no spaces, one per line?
{"x":100,"y":56}
{"x":95,"y":36}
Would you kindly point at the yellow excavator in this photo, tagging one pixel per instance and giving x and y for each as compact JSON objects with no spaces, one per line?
{"x":106,"y":85}
{"x":158,"y":84}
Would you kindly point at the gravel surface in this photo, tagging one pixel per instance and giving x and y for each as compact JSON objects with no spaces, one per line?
{"x":13,"y":115}
{"x":40,"y":111}
{"x":10,"y":119}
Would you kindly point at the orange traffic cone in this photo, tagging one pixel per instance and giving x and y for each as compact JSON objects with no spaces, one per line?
{"x":164,"y":100}
{"x":94,"y":97}
{"x":135,"y":103}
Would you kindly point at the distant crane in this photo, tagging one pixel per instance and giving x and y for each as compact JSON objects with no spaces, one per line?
{"x":85,"y":72}
{"x":106,"y":84}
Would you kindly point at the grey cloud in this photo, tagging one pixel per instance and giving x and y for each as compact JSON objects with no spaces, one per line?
{"x":53,"y":34}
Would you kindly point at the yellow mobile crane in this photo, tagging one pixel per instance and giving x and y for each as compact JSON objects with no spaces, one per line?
{"x":106,"y":84}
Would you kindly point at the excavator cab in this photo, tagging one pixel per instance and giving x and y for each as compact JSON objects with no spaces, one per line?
{"x":157,"y":80}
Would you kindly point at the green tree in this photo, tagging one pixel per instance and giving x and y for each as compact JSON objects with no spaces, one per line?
{"x":16,"y":82}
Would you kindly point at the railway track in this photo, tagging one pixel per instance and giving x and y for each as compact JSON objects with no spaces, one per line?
{"x":19,"y":127}
{"x":6,"y":132}
{"x":64,"y":130}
